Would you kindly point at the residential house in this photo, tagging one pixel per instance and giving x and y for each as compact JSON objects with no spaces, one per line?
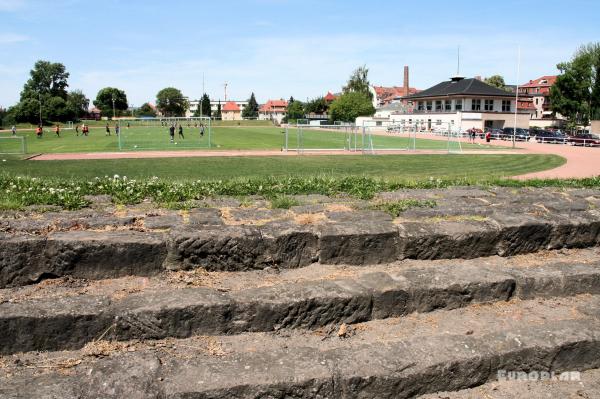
{"x":231,"y":112}
{"x":383,"y":96}
{"x":273,"y":110}
{"x":535,"y":98}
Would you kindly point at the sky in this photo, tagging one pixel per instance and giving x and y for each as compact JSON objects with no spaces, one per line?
{"x":283,"y":48}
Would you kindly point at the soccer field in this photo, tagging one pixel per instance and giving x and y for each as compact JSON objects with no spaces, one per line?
{"x":221,"y":137}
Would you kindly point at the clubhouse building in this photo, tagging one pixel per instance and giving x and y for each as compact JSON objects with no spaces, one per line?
{"x":465,"y":103}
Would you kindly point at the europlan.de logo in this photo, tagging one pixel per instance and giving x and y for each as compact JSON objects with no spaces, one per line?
{"x":535,"y":375}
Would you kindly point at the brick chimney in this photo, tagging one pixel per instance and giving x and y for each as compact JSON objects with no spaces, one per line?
{"x":406,"y":83}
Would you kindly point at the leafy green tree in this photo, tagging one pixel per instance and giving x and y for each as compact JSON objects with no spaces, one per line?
{"x":295,"y":110}
{"x":77,"y":104}
{"x":146,"y":110}
{"x":170,"y":102}
{"x":576,"y":93}
{"x":251,"y":110}
{"x":291,"y":100}
{"x":496,"y":81}
{"x":47,"y":86}
{"x":359,"y":82}
{"x":350,"y":106}
{"x":204,"y":106}
{"x":317,"y":105}
{"x":104,"y":101}
{"x":218,"y":113}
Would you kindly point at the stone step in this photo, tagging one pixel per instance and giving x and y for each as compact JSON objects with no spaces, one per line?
{"x":70,"y":315}
{"x":536,"y":385}
{"x":357,"y":238}
{"x":395,"y":358}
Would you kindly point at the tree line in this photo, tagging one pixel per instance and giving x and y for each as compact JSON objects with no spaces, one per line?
{"x":45,"y":97}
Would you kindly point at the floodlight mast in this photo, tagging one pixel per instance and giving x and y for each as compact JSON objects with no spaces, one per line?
{"x":517,"y":96}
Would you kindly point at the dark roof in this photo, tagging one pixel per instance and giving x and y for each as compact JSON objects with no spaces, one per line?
{"x":463,"y":87}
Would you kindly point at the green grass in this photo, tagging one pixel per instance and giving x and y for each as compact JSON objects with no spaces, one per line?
{"x":223,"y":137}
{"x":395,"y":167}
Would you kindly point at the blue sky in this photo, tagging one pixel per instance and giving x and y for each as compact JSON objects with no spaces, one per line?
{"x":279,"y":48}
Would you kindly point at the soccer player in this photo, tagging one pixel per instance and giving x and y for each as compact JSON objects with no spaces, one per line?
{"x":180,"y":131}
{"x":57,"y":130}
{"x":201,"y":130}
{"x":128,"y":125}
{"x":117,"y":129}
{"x":85,"y":130}
{"x":107,"y":129}
{"x":77,"y":130}
{"x":14,"y":130}
{"x":39,"y":131}
{"x":172,"y":132}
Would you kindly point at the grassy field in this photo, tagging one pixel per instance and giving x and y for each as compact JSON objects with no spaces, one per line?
{"x":222,"y":137}
{"x":394,"y":167}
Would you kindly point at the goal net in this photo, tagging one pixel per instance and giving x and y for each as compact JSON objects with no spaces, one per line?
{"x":155,"y":133}
{"x":13,"y":145}
{"x":381,"y":136}
{"x":321,"y":137}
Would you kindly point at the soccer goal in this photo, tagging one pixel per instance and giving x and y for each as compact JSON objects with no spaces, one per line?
{"x":388,"y":136}
{"x":155,"y":134}
{"x":13,"y":145}
{"x":313,"y":138}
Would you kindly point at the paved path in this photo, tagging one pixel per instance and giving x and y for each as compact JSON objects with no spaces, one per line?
{"x":581,"y":161}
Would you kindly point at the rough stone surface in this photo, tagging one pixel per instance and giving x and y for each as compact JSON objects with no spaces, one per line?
{"x":396,"y":358}
{"x":83,"y":254}
{"x":175,"y":312}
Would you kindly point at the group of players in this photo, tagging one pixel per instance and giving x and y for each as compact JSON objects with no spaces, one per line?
{"x":84,"y":129}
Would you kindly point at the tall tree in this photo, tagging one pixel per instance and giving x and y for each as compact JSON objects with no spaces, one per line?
{"x":77,"y":104}
{"x":317,"y":105}
{"x":251,"y":110}
{"x":203,"y":106}
{"x":496,"y":81}
{"x":295,"y":110}
{"x":218,"y":113}
{"x":359,"y":82}
{"x":576,"y":93}
{"x":44,"y":95}
{"x":170,"y":102}
{"x":146,"y":110}
{"x":291,"y":100}
{"x":104,"y":101}
{"x":350,"y":106}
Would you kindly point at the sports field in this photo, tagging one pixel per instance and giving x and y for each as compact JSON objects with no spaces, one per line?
{"x":221,"y":137}
{"x":393,"y":167}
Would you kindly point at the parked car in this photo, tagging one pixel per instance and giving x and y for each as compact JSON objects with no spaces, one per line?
{"x":497,"y":134}
{"x":520,"y":135}
{"x":547,"y":136}
{"x":585,"y":139}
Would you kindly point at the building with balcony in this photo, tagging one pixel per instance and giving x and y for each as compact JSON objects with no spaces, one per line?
{"x":535,"y":98}
{"x":273,"y":110}
{"x":464,"y":103}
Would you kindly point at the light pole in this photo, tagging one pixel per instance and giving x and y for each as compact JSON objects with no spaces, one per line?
{"x":113,"y":101}
{"x":40,"y":101}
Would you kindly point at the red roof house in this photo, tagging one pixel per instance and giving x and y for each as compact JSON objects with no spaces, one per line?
{"x":231,"y":112}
